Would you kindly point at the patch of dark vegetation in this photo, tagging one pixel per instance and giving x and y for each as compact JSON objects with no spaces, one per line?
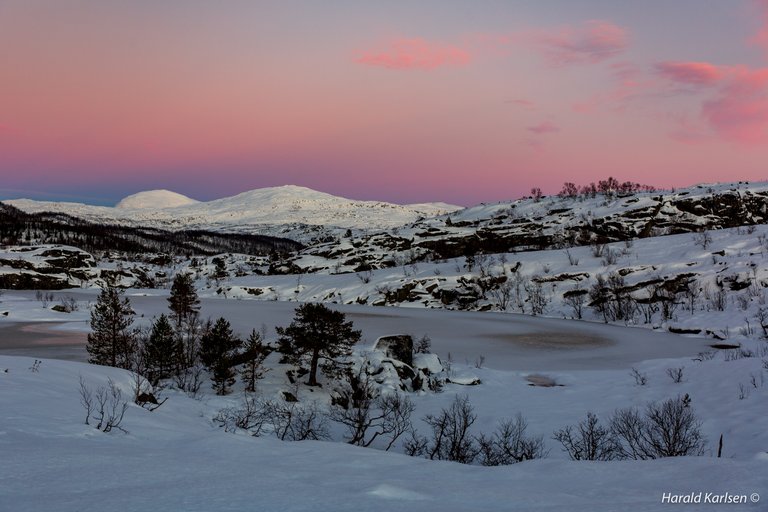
{"x":21,"y":228}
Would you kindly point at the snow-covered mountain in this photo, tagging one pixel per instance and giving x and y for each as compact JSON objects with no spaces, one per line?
{"x":265,"y":210}
{"x":155,"y":200}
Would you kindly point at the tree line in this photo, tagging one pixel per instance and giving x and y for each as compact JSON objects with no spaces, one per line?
{"x":180,"y":346}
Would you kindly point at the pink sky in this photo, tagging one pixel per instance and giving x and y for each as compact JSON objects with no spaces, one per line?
{"x":441,"y":100}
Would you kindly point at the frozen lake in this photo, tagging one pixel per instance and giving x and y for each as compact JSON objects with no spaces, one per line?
{"x":507,"y":341}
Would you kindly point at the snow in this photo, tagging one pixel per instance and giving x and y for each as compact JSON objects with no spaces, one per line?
{"x":252,"y":211}
{"x":155,"y":199}
{"x":176,"y":458}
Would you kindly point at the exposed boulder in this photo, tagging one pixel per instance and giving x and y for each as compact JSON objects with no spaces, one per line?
{"x":398,"y":347}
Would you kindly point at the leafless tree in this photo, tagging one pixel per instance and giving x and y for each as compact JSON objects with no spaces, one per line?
{"x":588,"y":440}
{"x":576,"y":299}
{"x":536,"y":296}
{"x":86,"y":399}
{"x":450,"y":436}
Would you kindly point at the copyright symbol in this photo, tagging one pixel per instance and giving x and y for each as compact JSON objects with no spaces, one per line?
{"x":754,"y":497}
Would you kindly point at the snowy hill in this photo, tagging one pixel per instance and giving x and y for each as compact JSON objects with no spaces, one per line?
{"x":546,"y":223}
{"x":155,"y":199}
{"x":288,"y":211}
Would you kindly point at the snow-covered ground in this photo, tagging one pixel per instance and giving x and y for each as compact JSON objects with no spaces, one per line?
{"x":176,"y":458}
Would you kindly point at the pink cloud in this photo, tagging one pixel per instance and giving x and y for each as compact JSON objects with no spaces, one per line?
{"x":591,"y":43}
{"x":544,"y":128}
{"x":690,"y":73}
{"x":416,"y":53}
{"x":739,"y":111}
{"x":761,"y":38}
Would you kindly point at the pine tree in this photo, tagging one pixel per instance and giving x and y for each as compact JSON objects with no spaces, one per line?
{"x":162,"y":350}
{"x":217,"y":347}
{"x":183,"y":300}
{"x":256,"y":352}
{"x":110,"y":341}
{"x":317,"y":331}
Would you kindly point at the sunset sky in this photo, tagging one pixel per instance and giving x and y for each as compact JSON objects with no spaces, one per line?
{"x":403,"y":101}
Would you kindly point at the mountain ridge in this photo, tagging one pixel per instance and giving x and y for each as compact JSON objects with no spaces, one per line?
{"x":253,"y":210}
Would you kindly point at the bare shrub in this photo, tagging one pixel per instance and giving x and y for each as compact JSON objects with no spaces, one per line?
{"x":666,"y":429}
{"x":597,"y":250}
{"x":743,"y":302}
{"x":44,"y":298}
{"x":287,"y":421}
{"x":502,"y":295}
{"x":641,"y":379}
{"x":762,"y":318}
{"x":251,"y":417}
{"x":588,"y":440}
{"x":450,"y":437}
{"x":386,"y":416}
{"x":707,"y":355}
{"x":572,"y":260}
{"x":703,"y":239}
{"x":717,"y":300}
{"x":610,"y":257}
{"x":68,"y":304}
{"x":676,"y":374}
{"x":509,"y":444}
{"x":105,"y":405}
{"x":423,"y":345}
{"x":737,"y":353}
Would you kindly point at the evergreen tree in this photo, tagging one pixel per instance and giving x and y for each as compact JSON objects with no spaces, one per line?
{"x":110,"y":341}
{"x":317,"y":331}
{"x":255,"y":353}
{"x":183,"y":300}
{"x":162,"y":351}
{"x":218,"y":345}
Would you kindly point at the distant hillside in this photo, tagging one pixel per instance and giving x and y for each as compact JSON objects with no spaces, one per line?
{"x":290,"y":211}
{"x":20,"y":228}
{"x":541,"y":223}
